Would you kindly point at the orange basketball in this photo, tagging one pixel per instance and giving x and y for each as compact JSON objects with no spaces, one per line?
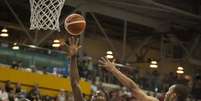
{"x":75,"y":24}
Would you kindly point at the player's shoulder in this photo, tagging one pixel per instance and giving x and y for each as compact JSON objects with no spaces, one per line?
{"x":150,"y":98}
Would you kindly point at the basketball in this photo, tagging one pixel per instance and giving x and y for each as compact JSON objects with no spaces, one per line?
{"x":75,"y":24}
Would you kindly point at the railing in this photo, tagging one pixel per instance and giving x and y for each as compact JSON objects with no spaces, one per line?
{"x":48,"y":84}
{"x":32,"y":56}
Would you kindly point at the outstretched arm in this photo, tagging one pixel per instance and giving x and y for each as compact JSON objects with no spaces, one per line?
{"x":137,"y":92}
{"x":74,"y":74}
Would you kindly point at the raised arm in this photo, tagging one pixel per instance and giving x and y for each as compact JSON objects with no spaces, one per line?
{"x":127,"y":82}
{"x":74,"y":74}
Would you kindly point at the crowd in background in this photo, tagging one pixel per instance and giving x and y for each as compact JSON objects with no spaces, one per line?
{"x":16,"y":93}
{"x":155,"y":83}
{"x":152,"y":81}
{"x":9,"y":92}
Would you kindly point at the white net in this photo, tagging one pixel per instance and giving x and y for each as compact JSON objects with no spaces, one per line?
{"x":45,"y":14}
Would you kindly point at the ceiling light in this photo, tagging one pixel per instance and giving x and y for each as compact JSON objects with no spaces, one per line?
{"x":4,"y":30}
{"x":56,"y":45}
{"x":15,"y":47}
{"x":4,"y":34}
{"x":180,"y":68}
{"x":153,"y":66}
{"x":109,"y":52}
{"x":110,"y":56}
{"x":153,"y":62}
{"x":180,"y":72}
{"x":56,"y":41}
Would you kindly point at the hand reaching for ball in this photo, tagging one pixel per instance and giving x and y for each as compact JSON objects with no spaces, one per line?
{"x":73,"y":46}
{"x":107,"y":64}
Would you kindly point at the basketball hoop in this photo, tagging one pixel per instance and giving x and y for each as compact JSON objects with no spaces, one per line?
{"x":45,"y":14}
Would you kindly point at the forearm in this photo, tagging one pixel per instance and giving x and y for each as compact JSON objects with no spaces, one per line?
{"x":130,"y":84}
{"x":74,"y":74}
{"x":74,"y":77}
{"x":124,"y":79}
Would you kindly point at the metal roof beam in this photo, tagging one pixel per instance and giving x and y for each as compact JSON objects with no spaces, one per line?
{"x":102,"y":8}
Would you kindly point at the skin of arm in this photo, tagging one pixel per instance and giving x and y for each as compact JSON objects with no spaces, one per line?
{"x":127,"y":82}
{"x":74,"y":74}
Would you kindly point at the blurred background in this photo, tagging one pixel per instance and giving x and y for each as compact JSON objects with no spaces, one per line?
{"x":156,"y":43}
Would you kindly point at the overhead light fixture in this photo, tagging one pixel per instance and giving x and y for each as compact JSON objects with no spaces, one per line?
{"x":153,"y":62}
{"x":110,"y":56}
{"x":180,"y":68}
{"x":180,"y":72}
{"x":15,"y":47}
{"x":153,"y":66}
{"x":56,"y":41}
{"x":4,"y":30}
{"x":109,"y":53}
{"x":56,"y":45}
{"x":4,"y":34}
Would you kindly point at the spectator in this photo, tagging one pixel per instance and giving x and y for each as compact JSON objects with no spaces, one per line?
{"x":196,"y":89}
{"x":33,"y":68}
{"x":61,"y":96}
{"x":8,"y":86}
{"x":90,"y":69}
{"x":114,"y":95}
{"x":3,"y":94}
{"x":34,"y":93}
{"x":11,"y":96}
{"x":14,"y":65}
{"x":70,"y":97}
{"x":18,"y":88}
{"x":172,"y":78}
{"x":19,"y":65}
{"x":155,"y":81}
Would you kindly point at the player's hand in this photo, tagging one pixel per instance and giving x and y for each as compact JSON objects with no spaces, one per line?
{"x":73,"y":46}
{"x":107,"y":64}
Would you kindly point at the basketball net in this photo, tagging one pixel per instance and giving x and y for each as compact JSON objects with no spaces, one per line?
{"x":45,"y":14}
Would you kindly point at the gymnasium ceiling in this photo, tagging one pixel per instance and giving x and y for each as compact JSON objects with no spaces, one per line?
{"x":182,"y":18}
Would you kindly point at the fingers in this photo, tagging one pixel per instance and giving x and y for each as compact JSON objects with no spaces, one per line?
{"x":79,"y":46}
{"x":74,"y":41}
{"x":113,"y":61}
{"x":101,"y":62}
{"x":103,"y":59}
{"x":107,"y":59}
{"x":70,"y":41}
{"x":77,"y":41}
